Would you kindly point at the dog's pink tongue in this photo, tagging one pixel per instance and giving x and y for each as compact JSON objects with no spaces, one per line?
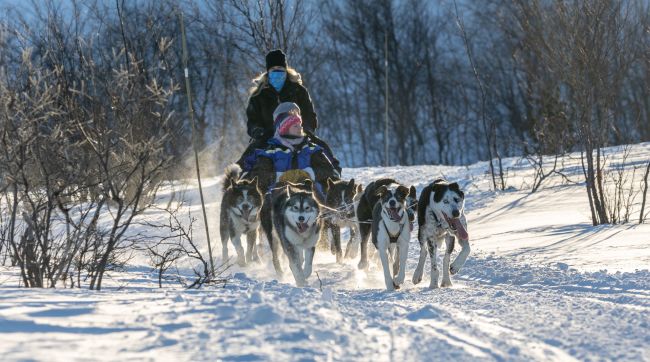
{"x":460,"y":229}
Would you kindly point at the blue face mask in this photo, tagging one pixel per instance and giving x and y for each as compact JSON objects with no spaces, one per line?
{"x":277,"y":78}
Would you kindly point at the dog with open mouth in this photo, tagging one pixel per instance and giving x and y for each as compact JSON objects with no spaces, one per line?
{"x":240,"y":209}
{"x":383,"y":209}
{"x":295,"y":227}
{"x":441,"y":218}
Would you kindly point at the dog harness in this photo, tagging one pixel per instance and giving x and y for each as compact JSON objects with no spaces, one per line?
{"x":438,"y":222}
{"x":439,"y":225}
{"x":392,"y":238}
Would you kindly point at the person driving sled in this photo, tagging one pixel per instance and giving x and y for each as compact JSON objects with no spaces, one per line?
{"x":289,"y":155}
{"x":280,"y":83}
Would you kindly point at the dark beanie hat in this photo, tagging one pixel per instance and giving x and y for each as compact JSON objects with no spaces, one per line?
{"x":276,"y":58}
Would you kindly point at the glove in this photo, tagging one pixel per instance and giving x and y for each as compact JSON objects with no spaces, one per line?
{"x":257,"y":133}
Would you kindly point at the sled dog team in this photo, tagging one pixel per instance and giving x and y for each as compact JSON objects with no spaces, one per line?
{"x":294,"y":216}
{"x":288,"y":184}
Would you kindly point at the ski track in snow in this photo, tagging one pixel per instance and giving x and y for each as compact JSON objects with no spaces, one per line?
{"x":524,"y":313}
{"x":546,"y":286}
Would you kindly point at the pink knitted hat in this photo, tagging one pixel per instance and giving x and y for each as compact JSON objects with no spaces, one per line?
{"x":284,"y":122}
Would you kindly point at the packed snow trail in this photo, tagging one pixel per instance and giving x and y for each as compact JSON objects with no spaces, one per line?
{"x":497,"y":310}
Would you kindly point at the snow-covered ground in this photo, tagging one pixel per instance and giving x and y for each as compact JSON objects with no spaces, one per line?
{"x":541,"y":283}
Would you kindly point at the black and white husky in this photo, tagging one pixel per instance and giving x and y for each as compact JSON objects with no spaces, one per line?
{"x":341,"y":198}
{"x":295,"y":226}
{"x":240,"y":208}
{"x":383,"y":209}
{"x":441,"y":219}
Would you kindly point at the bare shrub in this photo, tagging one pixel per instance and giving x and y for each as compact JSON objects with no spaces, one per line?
{"x":621,"y":190}
{"x":177,"y":249}
{"x":77,"y":145}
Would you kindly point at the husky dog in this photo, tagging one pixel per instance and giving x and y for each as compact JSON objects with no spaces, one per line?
{"x":390,"y":226}
{"x":240,"y":207}
{"x":441,"y":218}
{"x":342,"y":196}
{"x":295,"y":226}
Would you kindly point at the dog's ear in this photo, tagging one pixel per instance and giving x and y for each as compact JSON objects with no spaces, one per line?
{"x":438,"y":191}
{"x":359,"y":189}
{"x":351,"y":187}
{"x":381,"y":191}
{"x":413,"y":193}
{"x":403,"y":190}
{"x":454,"y":187}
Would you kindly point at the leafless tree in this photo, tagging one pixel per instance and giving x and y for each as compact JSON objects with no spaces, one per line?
{"x":489,"y":127}
{"x":584,"y":53}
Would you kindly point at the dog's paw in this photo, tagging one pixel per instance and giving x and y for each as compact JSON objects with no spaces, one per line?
{"x":333,"y":250}
{"x":416,"y":279}
{"x":241,"y":261}
{"x":396,"y":286}
{"x":399,"y":279}
{"x":454,"y":268}
{"x":301,"y":283}
{"x":339,"y":258}
{"x":433,"y":285}
{"x":446,"y":284}
{"x":363,"y":265}
{"x":281,"y":277}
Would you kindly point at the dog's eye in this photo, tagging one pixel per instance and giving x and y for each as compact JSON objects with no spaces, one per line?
{"x":295,"y":208}
{"x":446,"y":201}
{"x":307,"y":208}
{"x":456,"y":199}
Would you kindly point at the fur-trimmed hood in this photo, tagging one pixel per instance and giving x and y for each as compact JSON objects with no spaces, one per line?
{"x":264,"y":99}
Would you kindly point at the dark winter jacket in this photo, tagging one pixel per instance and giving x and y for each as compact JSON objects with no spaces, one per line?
{"x":270,"y":163}
{"x":261,"y":106}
